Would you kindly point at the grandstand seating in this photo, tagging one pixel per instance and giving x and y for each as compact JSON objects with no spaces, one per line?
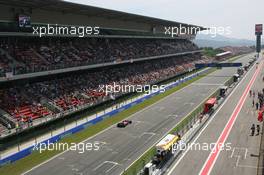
{"x":27,"y":100}
{"x":68,"y":102}
{"x":21,"y":105}
{"x":24,"y":101}
{"x":36,"y":55}
{"x":4,"y":64}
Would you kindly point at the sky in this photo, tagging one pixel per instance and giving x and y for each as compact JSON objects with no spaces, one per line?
{"x":238,"y":15}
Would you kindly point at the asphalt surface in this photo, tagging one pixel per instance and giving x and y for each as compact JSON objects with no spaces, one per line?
{"x":120,"y":147}
{"x":242,"y":158}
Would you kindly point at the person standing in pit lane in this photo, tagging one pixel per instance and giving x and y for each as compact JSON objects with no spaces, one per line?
{"x":257,"y":105}
{"x":252,"y":129}
{"x":258,"y":129}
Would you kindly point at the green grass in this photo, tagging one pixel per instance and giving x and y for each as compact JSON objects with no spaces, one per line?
{"x":140,"y":163}
{"x":36,"y":158}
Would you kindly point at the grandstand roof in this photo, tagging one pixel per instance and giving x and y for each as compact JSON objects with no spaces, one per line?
{"x":69,"y":7}
{"x":223,"y":53}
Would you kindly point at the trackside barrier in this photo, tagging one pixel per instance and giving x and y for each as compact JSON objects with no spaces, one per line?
{"x":27,"y":151}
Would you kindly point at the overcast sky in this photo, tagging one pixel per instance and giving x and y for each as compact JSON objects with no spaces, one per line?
{"x":240,"y":15}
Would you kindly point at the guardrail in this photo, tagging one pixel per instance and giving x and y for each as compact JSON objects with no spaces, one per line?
{"x":27,"y":151}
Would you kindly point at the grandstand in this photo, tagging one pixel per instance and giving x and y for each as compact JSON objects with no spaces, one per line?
{"x":130,"y":49}
{"x":38,"y":54}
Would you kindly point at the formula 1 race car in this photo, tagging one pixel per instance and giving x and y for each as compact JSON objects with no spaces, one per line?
{"x":124,"y":123}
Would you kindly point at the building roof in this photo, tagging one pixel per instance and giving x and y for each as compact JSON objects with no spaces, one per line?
{"x":223,"y":53}
{"x":69,"y":7}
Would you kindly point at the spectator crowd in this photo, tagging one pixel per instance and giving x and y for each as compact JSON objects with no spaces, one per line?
{"x":24,"y":55}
